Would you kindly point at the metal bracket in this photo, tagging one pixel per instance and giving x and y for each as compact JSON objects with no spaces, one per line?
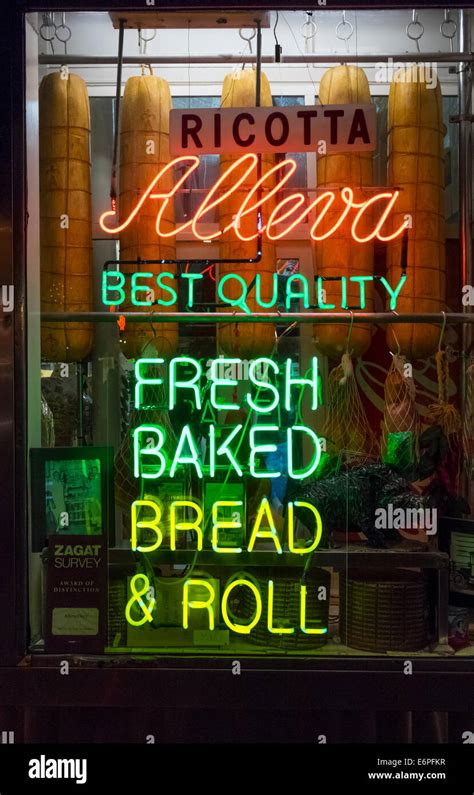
{"x":462,"y":117}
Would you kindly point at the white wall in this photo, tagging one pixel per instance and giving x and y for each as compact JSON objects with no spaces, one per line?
{"x":375,"y":32}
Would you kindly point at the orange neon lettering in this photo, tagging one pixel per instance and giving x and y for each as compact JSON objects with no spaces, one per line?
{"x":149,"y":195}
{"x":279,"y":214}
{"x":245,"y":210}
{"x":376,"y":232}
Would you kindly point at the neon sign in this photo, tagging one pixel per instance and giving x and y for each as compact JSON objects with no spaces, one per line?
{"x":290,"y":211}
{"x":117,"y":289}
{"x":154,"y":457}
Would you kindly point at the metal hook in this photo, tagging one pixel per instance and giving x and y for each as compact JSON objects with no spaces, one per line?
{"x":308,"y":31}
{"x":392,"y":329}
{"x":344,"y":24}
{"x":443,"y":329}
{"x":349,"y":336}
{"x":143,"y":41}
{"x":446,"y":25}
{"x":248,"y":39}
{"x":415,"y":23}
{"x":48,"y":24}
{"x":66,"y":35}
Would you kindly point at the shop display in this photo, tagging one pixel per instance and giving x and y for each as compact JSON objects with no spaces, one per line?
{"x":240,"y":91}
{"x":251,"y":469}
{"x":65,"y":209}
{"x":337,"y":256}
{"x":144,"y":150}
{"x":416,"y":165}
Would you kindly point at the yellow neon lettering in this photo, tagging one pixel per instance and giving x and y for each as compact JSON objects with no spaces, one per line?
{"x":270,"y":627}
{"x":303,"y":626}
{"x":195,"y":524}
{"x":264,"y":511}
{"x":218,"y":524}
{"x":299,"y":550}
{"x":198,"y":604}
{"x":242,"y":629}
{"x":150,"y":524}
{"x":136,"y":597}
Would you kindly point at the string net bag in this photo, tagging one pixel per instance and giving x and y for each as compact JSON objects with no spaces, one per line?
{"x":468,"y":422}
{"x":401,"y":421}
{"x":444,"y":418}
{"x":346,"y":430}
{"x":443,"y":413}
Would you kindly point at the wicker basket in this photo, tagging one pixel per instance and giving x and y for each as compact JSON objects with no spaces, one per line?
{"x":384,"y":613}
{"x":286,"y":609}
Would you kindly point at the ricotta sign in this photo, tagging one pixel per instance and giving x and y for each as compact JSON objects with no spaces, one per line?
{"x":301,"y":128}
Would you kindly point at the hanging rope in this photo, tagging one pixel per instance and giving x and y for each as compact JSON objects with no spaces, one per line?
{"x":443,"y":413}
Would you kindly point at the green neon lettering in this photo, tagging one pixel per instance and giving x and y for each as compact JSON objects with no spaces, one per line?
{"x":320,"y":299}
{"x":190,"y":383}
{"x":270,"y":627}
{"x":224,"y":524}
{"x":343,"y":292}
{"x":186,"y":437}
{"x":242,"y":629}
{"x":152,"y":523}
{"x":191,"y":277}
{"x":113,"y":288}
{"x":361,"y":280}
{"x":312,"y":381}
{"x":223,"y":449}
{"x":258,"y":291}
{"x":303,"y":626}
{"x":220,"y":364}
{"x":240,"y":301}
{"x":255,"y":449}
{"x":303,"y":550}
{"x":393,"y":293}
{"x":168,"y":288}
{"x":137,"y":288}
{"x":316,"y":455}
{"x":263,"y":384}
{"x":303,"y":292}
{"x":271,"y":533}
{"x":139,"y":452}
{"x":198,"y":604}
{"x":140,"y":381}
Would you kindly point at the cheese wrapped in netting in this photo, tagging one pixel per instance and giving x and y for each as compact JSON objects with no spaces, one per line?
{"x":416,"y":167}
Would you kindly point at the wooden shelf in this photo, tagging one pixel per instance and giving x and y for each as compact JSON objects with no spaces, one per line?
{"x":360,"y":556}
